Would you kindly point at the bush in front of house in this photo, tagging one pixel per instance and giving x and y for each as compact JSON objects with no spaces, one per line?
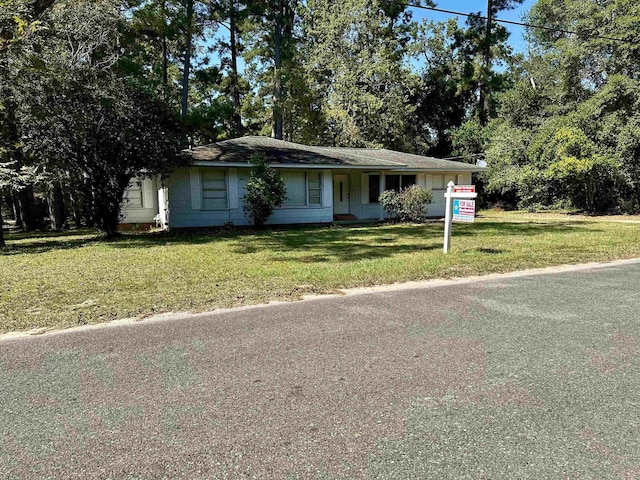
{"x":409,"y":205}
{"x":265,"y":191}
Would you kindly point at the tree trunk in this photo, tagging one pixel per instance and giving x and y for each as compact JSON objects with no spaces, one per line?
{"x":106,"y":211}
{"x":236,"y":118}
{"x":187,"y":58}
{"x":2,"y":243}
{"x":57,"y":210}
{"x":24,"y":197}
{"x":27,"y":209}
{"x":485,"y":94}
{"x":74,"y":206}
{"x":165,"y":61}
{"x":277,"y":94}
{"x":13,"y":202}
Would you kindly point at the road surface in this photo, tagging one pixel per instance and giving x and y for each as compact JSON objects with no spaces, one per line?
{"x":526,"y":377}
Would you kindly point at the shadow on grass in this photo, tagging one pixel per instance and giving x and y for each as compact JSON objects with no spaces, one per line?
{"x":348,"y":243}
{"x":358,"y":243}
{"x":40,"y":242}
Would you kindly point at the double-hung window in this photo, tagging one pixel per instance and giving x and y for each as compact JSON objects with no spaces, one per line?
{"x":214,"y":189}
{"x":133,"y":194}
{"x":303,"y":188}
{"x":314,"y":188}
{"x":399,"y":182}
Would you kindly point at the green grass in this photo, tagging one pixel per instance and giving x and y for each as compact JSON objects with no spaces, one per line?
{"x":62,"y":280}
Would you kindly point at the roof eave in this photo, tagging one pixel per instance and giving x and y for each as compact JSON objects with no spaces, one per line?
{"x":328,"y":166}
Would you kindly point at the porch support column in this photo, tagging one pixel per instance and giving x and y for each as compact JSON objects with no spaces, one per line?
{"x":382,"y":188}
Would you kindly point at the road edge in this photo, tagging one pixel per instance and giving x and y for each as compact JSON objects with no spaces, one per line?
{"x":412,"y":285}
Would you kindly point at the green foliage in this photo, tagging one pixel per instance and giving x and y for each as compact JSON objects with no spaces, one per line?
{"x":354,"y":57}
{"x":409,"y":205}
{"x":470,"y":139}
{"x":14,"y":178}
{"x":390,"y":201}
{"x":592,"y":184}
{"x":74,"y":116}
{"x":557,"y":163}
{"x":265,"y":191}
{"x":447,"y":90}
{"x":506,"y":155}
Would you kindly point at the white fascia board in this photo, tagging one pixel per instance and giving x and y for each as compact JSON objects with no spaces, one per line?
{"x":441,"y":170}
{"x":299,"y":166}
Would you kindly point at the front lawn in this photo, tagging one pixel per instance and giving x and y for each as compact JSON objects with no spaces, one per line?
{"x":62,"y":280}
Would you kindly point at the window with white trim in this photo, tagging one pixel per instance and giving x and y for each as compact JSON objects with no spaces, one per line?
{"x":437,"y":182}
{"x":374,"y":187}
{"x":399,"y":182}
{"x":133,"y":195}
{"x":314,"y":188}
{"x":303,"y":188}
{"x":214,"y":189}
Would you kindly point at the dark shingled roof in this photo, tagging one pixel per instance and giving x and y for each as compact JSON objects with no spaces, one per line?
{"x":239,"y":150}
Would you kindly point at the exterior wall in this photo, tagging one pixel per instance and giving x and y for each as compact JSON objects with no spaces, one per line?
{"x":362,"y":210}
{"x":181,"y":196}
{"x":149,"y":209}
{"x":186,"y":205}
{"x":366,"y":211}
{"x":437,"y":207}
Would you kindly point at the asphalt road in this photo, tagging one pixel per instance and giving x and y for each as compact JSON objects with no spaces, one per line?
{"x":529,"y":377}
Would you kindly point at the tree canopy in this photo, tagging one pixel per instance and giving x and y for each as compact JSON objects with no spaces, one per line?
{"x":92,"y":92}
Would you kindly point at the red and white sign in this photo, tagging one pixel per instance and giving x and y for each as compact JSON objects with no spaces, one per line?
{"x":463,"y":210}
{"x":464,"y":189}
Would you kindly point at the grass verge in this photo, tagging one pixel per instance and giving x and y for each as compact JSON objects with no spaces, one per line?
{"x":63,"y":280}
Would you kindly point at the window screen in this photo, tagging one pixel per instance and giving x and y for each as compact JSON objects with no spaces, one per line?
{"x":374,"y":188}
{"x":295,"y":183}
{"x":408,"y":180}
{"x":438,"y":182}
{"x":398,"y":182}
{"x":133,"y":194}
{"x":315,"y":188}
{"x":214,"y":189}
{"x":392,"y":182}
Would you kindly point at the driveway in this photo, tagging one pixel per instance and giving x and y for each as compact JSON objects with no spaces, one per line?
{"x":510,"y":377}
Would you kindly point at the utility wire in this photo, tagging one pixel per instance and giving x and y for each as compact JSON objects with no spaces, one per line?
{"x":510,"y":22}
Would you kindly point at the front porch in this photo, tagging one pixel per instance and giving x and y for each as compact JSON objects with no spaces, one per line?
{"x":355,"y":192}
{"x":355,"y":195}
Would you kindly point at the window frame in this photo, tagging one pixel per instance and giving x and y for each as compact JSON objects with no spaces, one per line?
{"x":400,"y":182}
{"x":307,"y":203}
{"x":225,"y":171}
{"x":319,"y":188}
{"x":379,"y":177}
{"x":129,"y":205}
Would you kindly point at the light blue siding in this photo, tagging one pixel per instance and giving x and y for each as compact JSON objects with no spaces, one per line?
{"x":182,"y":213}
{"x":149,"y":209}
{"x":186,"y":206}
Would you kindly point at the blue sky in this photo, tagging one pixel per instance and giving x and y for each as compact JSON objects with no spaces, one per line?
{"x":473,"y":6}
{"x":516,"y":40}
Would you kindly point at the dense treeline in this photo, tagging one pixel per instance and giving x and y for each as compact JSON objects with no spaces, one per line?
{"x":94,"y":93}
{"x":568,"y":132}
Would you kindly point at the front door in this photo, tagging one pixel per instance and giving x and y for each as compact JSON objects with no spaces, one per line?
{"x":340,"y":194}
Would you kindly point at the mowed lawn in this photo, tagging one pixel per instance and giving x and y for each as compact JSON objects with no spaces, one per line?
{"x":74,"y":278}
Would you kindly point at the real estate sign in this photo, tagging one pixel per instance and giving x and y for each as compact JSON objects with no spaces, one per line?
{"x":460,"y":206}
{"x":464,"y":210}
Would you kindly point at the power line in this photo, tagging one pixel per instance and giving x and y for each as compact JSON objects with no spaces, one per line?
{"x":510,"y":22}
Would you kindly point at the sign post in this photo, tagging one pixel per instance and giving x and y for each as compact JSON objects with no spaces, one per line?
{"x":460,"y":207}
